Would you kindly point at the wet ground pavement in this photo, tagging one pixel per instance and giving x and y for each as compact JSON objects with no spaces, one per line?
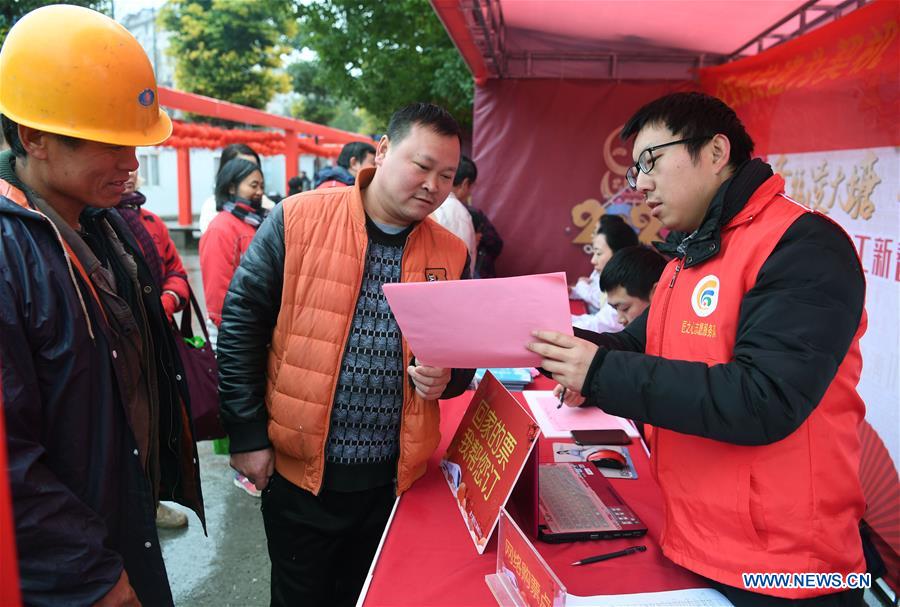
{"x":230,"y":568}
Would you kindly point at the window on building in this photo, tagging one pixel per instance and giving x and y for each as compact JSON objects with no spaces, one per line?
{"x":149,"y":170}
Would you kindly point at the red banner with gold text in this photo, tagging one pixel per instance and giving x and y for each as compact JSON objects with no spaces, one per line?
{"x":835,"y":88}
{"x":486,"y":456}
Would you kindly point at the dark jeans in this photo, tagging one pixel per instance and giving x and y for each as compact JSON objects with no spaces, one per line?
{"x":321,"y":546}
{"x":744,"y":598}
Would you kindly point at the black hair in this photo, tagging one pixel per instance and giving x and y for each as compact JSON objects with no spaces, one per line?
{"x":636,"y":269}
{"x":11,"y":135}
{"x":232,"y":174}
{"x":355,"y":149}
{"x":618,"y":233}
{"x":233,"y":150}
{"x":694,"y":115}
{"x":295,"y":185}
{"x":465,"y":170}
{"x":427,"y":115}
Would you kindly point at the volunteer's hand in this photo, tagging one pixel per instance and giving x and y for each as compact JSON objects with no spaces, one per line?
{"x":169,"y":304}
{"x":120,"y":595}
{"x":258,"y":466}
{"x":430,"y":382}
{"x":566,"y":357}
{"x":571,"y":399}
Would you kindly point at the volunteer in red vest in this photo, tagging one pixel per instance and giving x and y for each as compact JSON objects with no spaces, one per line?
{"x":327,"y":411}
{"x":746,"y":363}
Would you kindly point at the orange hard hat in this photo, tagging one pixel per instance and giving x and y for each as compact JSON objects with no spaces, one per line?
{"x":73,"y":71}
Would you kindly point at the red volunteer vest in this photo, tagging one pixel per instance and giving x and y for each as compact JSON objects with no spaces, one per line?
{"x":791,"y":506}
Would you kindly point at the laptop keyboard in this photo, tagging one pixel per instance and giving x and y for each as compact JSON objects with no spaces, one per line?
{"x":568,"y":504}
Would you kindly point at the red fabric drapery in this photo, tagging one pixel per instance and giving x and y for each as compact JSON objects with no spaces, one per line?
{"x":836,"y":88}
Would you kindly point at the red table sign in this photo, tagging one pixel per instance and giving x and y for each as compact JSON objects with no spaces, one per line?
{"x":487,"y":455}
{"x":523,"y":577}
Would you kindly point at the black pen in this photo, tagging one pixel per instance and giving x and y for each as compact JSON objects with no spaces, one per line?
{"x":562,"y":395}
{"x":611,"y":555}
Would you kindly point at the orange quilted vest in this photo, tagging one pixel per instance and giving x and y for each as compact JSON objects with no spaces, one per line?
{"x":325,"y":244}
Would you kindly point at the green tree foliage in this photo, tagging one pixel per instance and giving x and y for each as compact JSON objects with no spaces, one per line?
{"x":12,"y":10}
{"x":230,"y":49}
{"x":316,"y":103}
{"x":380,"y":55}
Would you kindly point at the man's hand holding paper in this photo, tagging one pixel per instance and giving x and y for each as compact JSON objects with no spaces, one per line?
{"x":566,"y":357}
{"x":430,"y":382}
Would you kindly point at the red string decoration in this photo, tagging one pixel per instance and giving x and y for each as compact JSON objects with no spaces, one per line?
{"x":265,"y":143}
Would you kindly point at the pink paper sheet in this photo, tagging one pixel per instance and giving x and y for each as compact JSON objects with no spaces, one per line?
{"x":479,"y":323}
{"x":579,"y":418}
{"x":556,"y":422}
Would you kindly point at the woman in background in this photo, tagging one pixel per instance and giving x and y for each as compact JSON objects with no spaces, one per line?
{"x":239,"y":194}
{"x":612,"y":235}
{"x":210,"y":206}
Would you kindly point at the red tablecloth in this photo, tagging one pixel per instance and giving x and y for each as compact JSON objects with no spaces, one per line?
{"x":428,"y":558}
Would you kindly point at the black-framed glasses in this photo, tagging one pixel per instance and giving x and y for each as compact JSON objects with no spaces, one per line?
{"x":646,"y":160}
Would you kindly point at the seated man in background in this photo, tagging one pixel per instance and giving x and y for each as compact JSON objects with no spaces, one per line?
{"x":629,"y":281}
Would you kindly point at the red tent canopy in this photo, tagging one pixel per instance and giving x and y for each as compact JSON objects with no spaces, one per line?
{"x":618,"y":38}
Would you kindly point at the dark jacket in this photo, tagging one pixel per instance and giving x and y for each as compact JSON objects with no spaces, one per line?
{"x":83,"y":502}
{"x":490,"y":245}
{"x":807,"y":301}
{"x":336,"y":173}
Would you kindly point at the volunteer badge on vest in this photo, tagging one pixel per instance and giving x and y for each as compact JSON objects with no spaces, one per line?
{"x":433,"y":274}
{"x":705,"y":297}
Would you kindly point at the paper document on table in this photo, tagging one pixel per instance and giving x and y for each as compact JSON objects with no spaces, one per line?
{"x":558,"y":422}
{"x":479,"y":323}
{"x":693,"y":597}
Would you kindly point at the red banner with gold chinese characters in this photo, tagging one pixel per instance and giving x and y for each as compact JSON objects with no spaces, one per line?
{"x":486,"y":456}
{"x":835,"y":88}
{"x":522,"y":574}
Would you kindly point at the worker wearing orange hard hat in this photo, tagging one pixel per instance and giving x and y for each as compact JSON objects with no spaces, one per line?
{"x":96,"y":407}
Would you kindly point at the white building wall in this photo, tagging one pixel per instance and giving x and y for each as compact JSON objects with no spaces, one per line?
{"x":159,"y":176}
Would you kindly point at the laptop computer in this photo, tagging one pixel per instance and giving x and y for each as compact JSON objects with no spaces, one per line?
{"x":576,"y":502}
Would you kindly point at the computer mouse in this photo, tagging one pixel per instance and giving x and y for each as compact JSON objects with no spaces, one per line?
{"x":608,"y":458}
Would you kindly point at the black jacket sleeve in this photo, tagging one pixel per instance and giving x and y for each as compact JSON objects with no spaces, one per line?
{"x":633,"y":338}
{"x":794,"y":329}
{"x":251,"y":307}
{"x":61,"y":541}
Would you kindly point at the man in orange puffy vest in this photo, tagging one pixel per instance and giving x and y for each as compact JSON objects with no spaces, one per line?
{"x":327,"y":410}
{"x":745,"y":364}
